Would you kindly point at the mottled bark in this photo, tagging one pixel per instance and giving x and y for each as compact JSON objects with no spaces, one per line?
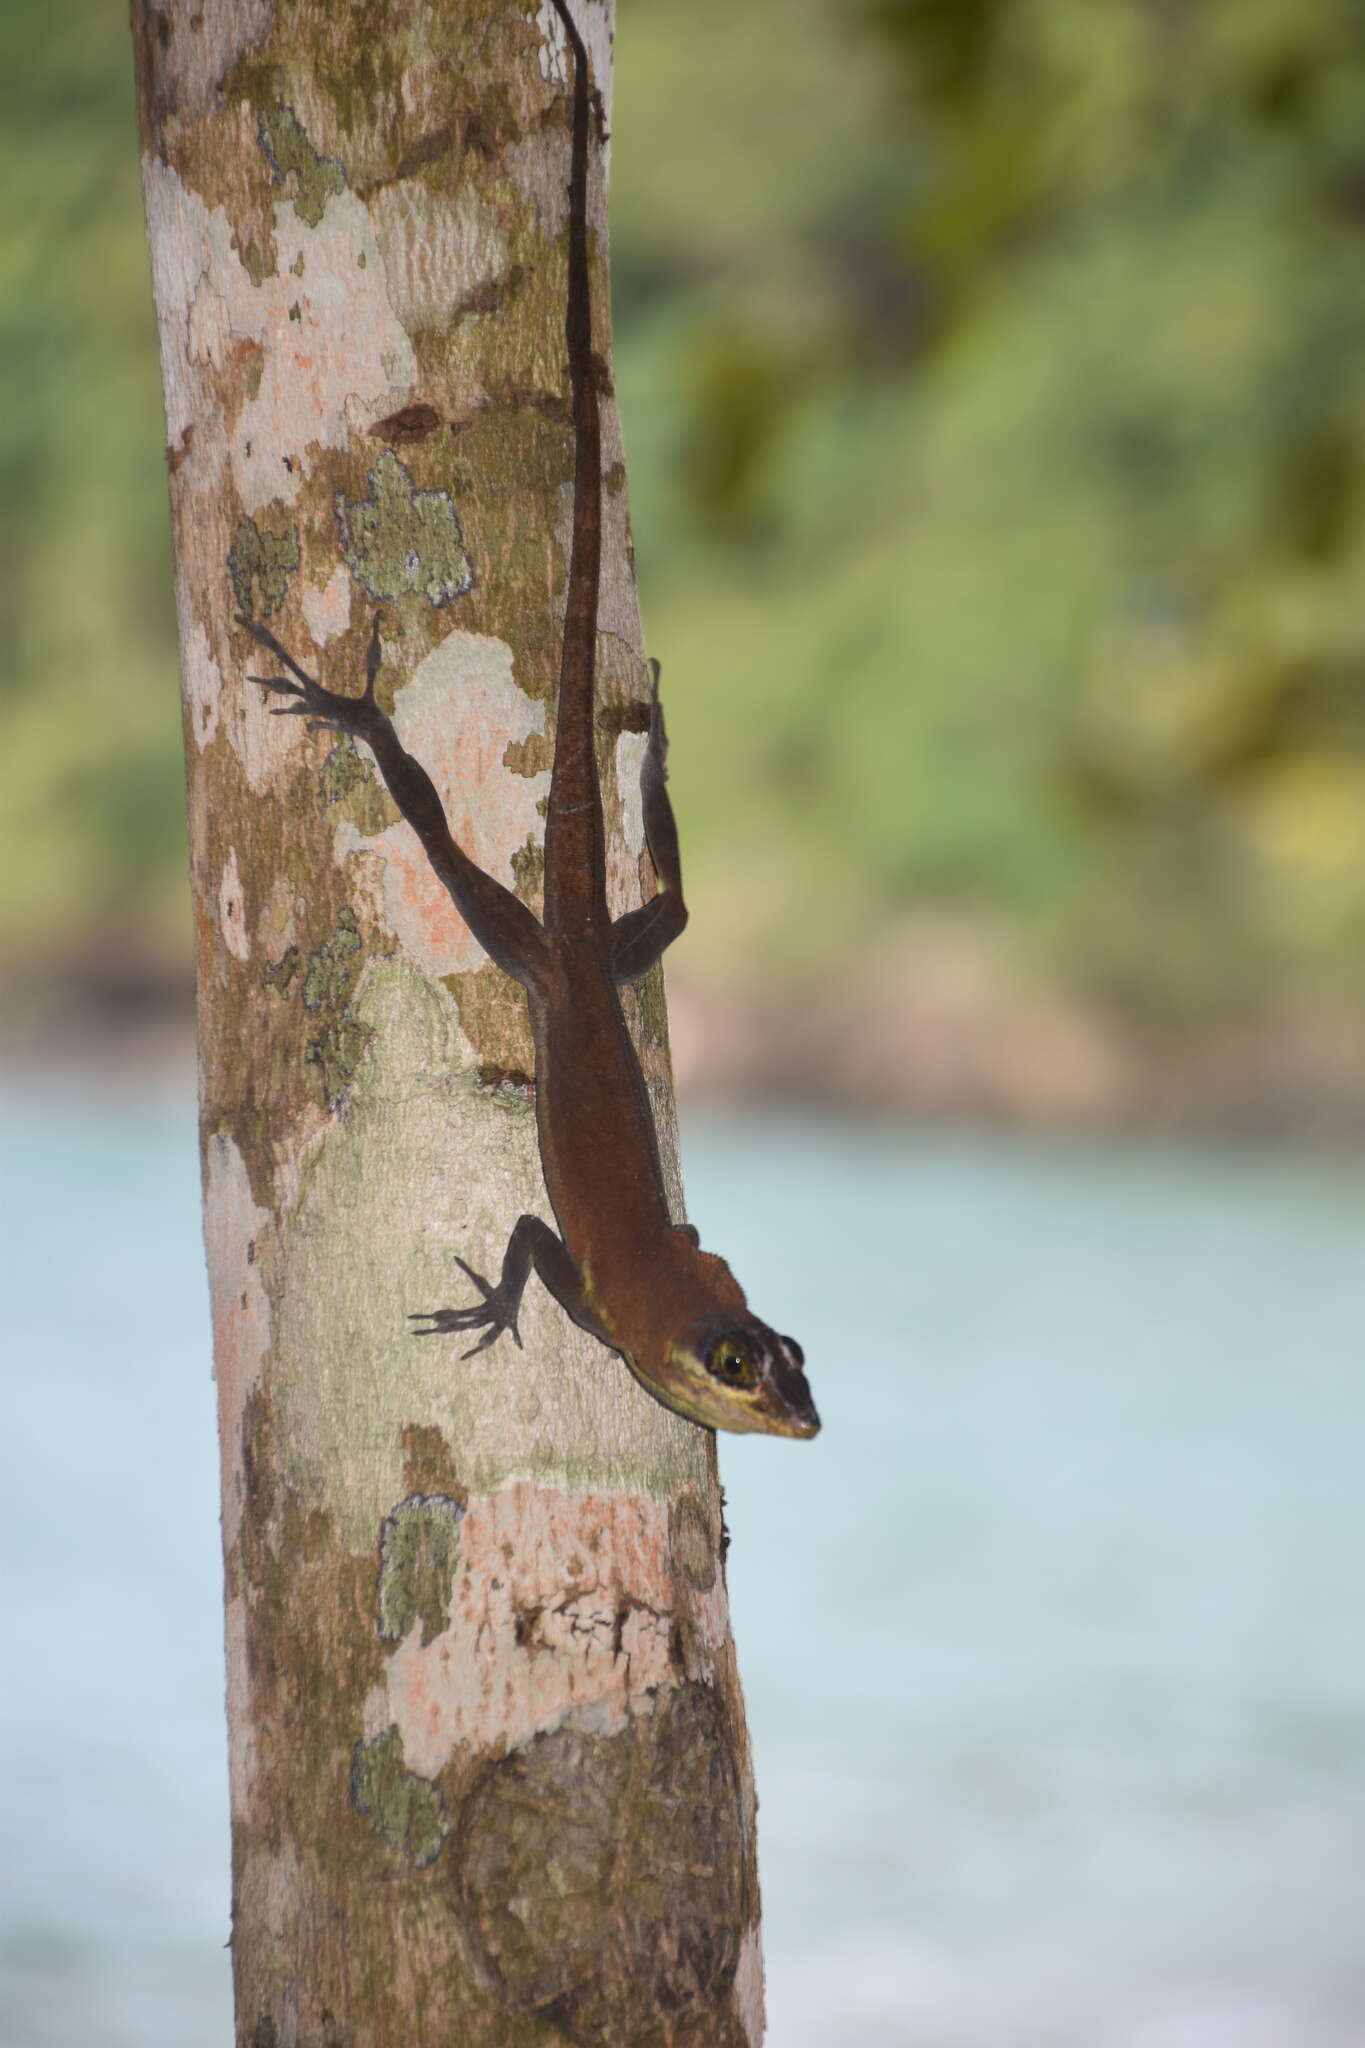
{"x":490,"y":1780}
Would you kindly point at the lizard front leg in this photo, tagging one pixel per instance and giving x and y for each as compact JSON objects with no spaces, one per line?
{"x":500,"y":921}
{"x":532,"y":1243}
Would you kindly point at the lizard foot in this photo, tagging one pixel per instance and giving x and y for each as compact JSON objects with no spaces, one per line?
{"x":320,"y":706}
{"x":494,"y":1314}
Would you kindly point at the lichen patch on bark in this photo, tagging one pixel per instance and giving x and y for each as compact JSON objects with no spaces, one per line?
{"x":400,"y":541}
{"x":342,"y":1037}
{"x":333,"y":967}
{"x":419,"y":1550}
{"x":261,"y":561}
{"x":406,"y":1810}
{"x":311,"y":179}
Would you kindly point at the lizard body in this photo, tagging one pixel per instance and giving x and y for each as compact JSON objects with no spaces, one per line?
{"x":619,"y":1266}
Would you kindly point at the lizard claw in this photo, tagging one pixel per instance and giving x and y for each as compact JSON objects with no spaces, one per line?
{"x":494,"y":1330}
{"x":485,"y":1290}
{"x":324,"y":708}
{"x":491,"y":1316}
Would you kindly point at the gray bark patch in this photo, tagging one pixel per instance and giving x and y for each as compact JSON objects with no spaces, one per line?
{"x":600,"y":1879}
{"x":419,"y":1548}
{"x":407,"y":1811}
{"x":403,"y":540}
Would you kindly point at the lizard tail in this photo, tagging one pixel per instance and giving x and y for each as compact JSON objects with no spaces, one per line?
{"x":575,"y":861}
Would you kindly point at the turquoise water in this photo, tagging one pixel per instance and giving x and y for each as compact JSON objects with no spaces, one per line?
{"x":1052,"y":1642}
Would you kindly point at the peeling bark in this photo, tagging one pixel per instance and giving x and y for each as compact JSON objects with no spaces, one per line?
{"x":490,"y":1777}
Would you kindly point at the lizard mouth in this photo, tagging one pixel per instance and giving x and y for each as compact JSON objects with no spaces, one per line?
{"x":804,"y":1426}
{"x":757,"y":1421}
{"x":799,"y":1420}
{"x":767,"y":1397}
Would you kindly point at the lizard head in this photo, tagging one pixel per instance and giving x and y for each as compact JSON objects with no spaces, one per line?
{"x":733,"y":1372}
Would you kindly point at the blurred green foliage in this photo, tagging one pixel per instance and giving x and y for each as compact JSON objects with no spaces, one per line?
{"x":94,"y":782}
{"x":993,"y":374}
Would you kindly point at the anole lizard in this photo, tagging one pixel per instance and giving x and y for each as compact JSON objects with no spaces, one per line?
{"x":619,"y":1266}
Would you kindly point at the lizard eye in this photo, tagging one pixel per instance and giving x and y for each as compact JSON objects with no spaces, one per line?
{"x":732,"y":1360}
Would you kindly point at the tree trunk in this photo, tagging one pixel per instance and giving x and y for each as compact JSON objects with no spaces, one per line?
{"x":490,"y":1777}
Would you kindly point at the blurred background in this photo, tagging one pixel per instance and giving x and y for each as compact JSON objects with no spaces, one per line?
{"x":993,"y":376}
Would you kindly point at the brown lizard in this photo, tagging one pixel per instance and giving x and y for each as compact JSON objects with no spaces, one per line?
{"x":618,"y":1265}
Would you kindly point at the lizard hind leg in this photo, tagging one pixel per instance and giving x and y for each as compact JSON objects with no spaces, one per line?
{"x":532,"y":1243}
{"x":508,"y":932}
{"x":641,"y":936}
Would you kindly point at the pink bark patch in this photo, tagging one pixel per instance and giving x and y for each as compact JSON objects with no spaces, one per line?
{"x":562,"y":1602}
{"x":327,"y":607}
